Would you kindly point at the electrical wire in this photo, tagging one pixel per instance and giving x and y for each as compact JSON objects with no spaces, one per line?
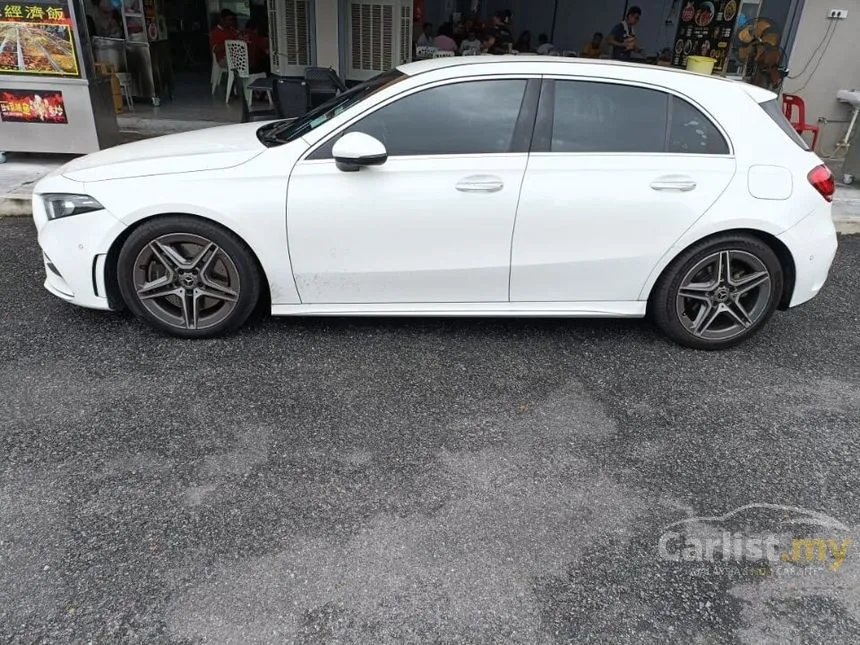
{"x":838,"y":148}
{"x":828,"y":32}
{"x":820,"y":58}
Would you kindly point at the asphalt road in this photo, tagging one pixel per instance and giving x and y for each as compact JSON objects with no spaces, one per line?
{"x":428,"y":480}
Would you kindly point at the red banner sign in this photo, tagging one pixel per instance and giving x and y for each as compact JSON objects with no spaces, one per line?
{"x":32,"y":106}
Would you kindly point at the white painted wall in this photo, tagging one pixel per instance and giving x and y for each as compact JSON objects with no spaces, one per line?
{"x":835,"y":66}
{"x":327,"y":34}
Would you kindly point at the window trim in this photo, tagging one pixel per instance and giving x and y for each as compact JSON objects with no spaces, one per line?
{"x":523,"y":130}
{"x":546,"y":115}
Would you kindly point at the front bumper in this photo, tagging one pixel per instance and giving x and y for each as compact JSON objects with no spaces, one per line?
{"x":812,"y":243}
{"x":75,"y":252}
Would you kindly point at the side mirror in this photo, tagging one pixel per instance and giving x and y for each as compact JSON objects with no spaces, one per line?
{"x":356,"y":150}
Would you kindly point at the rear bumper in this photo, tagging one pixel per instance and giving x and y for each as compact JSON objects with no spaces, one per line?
{"x":74,"y":253}
{"x":812,"y":243}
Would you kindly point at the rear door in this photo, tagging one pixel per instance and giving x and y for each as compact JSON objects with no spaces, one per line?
{"x":617,"y":173}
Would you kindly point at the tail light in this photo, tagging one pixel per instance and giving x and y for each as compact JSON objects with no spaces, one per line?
{"x":822,"y":180}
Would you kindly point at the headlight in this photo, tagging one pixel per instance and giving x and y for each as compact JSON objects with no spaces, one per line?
{"x":62,"y":205}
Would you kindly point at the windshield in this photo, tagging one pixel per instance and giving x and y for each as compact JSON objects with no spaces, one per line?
{"x":284,"y":131}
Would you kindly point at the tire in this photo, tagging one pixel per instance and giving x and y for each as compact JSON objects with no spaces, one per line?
{"x":188,"y":277}
{"x":698,"y":308}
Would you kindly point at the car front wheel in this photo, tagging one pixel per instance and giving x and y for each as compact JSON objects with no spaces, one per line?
{"x":718,"y":293}
{"x":188,"y":277}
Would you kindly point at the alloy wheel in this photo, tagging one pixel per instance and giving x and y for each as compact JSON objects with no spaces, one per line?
{"x":724,"y":295}
{"x":186,"y":281}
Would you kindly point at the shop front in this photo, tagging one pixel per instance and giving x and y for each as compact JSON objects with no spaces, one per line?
{"x":357,"y":38}
{"x":51,"y":99}
{"x":161,"y":48}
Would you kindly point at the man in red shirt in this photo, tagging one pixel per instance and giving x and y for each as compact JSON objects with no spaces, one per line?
{"x":224,"y":30}
{"x":258,"y":48}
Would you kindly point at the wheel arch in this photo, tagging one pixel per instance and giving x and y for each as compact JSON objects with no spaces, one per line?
{"x":786,"y":260}
{"x":115,"y":300}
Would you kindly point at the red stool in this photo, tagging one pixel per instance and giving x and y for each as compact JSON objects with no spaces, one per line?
{"x":789,"y":103}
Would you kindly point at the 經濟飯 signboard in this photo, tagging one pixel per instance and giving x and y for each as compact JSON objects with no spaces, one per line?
{"x":705,"y":29}
{"x":36,"y":39}
{"x":32,"y":106}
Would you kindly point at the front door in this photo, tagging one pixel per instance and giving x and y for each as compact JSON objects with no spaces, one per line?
{"x":619,"y":174}
{"x":431,"y":225}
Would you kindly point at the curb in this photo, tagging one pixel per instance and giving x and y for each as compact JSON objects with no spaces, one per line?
{"x":847,"y":226}
{"x":15,"y":207}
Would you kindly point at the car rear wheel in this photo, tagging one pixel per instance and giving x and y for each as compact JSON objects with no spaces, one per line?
{"x":188,"y":277}
{"x":718,"y":293}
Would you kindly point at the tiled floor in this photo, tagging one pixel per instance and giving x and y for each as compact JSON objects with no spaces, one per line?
{"x":192,"y":101}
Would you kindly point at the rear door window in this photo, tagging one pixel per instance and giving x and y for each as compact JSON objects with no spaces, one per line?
{"x":691,"y":132}
{"x":601,"y":117}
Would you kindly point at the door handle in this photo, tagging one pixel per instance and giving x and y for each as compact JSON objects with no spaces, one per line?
{"x":480,"y":184}
{"x":678,"y":184}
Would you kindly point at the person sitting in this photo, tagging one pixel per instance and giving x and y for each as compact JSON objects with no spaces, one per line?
{"x":471,"y":42}
{"x":524,"y":43}
{"x":426,"y":37}
{"x":443,"y":40}
{"x":258,"y":48}
{"x":545,"y":48}
{"x":225,"y":30}
{"x":594,"y":47}
{"x":498,"y":39}
{"x":459,"y":32}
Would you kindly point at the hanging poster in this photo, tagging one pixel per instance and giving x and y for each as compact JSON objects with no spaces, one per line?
{"x":36,"y":38}
{"x":32,"y":106}
{"x":705,"y":29}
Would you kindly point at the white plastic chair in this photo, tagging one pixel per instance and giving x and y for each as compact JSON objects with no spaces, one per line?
{"x":217,"y":73}
{"x":425,"y":52}
{"x":237,"y":65}
{"x":443,"y":54}
{"x":125,"y":83}
{"x":471,"y":52}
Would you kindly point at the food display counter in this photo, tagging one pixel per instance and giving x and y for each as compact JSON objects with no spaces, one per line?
{"x":51,"y":100}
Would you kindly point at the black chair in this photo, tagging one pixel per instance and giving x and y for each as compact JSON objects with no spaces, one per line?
{"x":253,"y":113}
{"x":323,"y":84}
{"x":337,"y":80}
{"x":291,"y":97}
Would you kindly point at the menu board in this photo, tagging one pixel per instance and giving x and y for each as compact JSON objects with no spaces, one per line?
{"x":135,"y":22}
{"x":36,"y":38}
{"x":705,"y":29}
{"x":32,"y":106}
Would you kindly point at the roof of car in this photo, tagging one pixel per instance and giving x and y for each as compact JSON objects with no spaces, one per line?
{"x":420,"y":67}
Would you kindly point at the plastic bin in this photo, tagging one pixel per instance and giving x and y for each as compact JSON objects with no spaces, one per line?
{"x":701,"y":64}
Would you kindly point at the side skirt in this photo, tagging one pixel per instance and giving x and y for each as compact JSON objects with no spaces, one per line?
{"x":609,"y":309}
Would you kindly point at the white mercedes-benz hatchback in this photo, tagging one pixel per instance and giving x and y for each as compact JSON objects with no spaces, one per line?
{"x":480,"y":186}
